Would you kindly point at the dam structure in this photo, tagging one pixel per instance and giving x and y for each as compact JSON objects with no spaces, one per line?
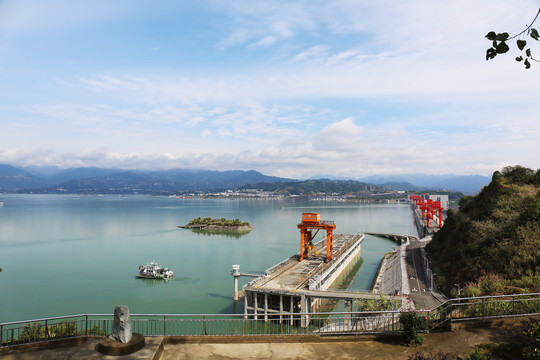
{"x":301,"y":284}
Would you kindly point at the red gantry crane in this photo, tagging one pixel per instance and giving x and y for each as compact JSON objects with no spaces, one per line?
{"x":312,"y":221}
{"x":429,"y":208}
{"x":438,"y":209}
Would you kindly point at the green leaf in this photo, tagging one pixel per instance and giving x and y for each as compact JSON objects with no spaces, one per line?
{"x":491,"y":53}
{"x":527,"y":64}
{"x":519,"y":58}
{"x":521,"y":44}
{"x":502,"y":48}
{"x":528,"y":52}
{"x":491,"y":35}
{"x":534,"y":34}
{"x":502,"y":36}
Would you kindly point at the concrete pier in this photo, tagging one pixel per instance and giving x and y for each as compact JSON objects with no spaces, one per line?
{"x":391,"y":277}
{"x":293,"y":286}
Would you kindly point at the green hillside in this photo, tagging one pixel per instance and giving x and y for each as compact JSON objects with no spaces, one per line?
{"x":491,"y":245}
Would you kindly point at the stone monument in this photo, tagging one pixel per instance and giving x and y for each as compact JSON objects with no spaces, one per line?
{"x":121,"y":330}
{"x":121,"y":341}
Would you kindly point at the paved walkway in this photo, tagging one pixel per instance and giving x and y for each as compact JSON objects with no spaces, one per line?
{"x":420,"y":294}
{"x":356,"y":349}
{"x":297,"y":350}
{"x":461,"y":342}
{"x":86,"y":351}
{"x":406,"y":274}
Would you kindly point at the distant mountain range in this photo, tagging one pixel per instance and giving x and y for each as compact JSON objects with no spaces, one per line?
{"x":469,"y":184}
{"x":114,"y":181}
{"x":92,"y":180}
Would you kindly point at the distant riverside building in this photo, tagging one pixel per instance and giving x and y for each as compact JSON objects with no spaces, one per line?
{"x":443,"y":199}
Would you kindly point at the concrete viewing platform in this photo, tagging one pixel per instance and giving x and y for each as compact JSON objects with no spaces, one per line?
{"x":80,"y":349}
{"x":463,"y":341}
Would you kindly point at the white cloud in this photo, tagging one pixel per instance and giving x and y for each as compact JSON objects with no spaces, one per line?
{"x":205,"y":133}
{"x":107,"y":82}
{"x":265,"y":20}
{"x":341,"y":137}
{"x":266,"y":41}
{"x":313,"y":53}
{"x":35,"y":15}
{"x":348,"y":87}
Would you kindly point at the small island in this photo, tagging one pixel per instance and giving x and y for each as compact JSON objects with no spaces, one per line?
{"x":209,"y":224}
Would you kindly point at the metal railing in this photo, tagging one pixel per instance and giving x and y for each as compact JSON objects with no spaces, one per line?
{"x":489,"y":307}
{"x":430,"y":282}
{"x":335,"y":323}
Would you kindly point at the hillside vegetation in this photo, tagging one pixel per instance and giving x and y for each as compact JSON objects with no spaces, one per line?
{"x":314,"y":187}
{"x":491,"y":245}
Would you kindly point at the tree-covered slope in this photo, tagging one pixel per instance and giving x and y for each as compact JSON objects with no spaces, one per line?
{"x":313,"y":187}
{"x":492,"y":244}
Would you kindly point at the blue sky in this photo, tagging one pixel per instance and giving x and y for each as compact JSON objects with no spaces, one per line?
{"x":288,"y":88}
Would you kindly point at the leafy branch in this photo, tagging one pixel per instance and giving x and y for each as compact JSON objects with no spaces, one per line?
{"x":500,"y":46}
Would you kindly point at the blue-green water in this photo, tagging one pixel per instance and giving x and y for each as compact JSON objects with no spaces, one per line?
{"x":64,"y":255}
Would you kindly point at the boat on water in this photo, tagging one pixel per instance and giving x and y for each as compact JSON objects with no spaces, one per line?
{"x":153,"y":270}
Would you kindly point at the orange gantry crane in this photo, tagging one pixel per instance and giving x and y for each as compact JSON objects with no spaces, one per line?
{"x":311,"y":221}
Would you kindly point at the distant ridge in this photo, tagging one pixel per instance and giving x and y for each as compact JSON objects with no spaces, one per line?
{"x":93,"y":180}
{"x":105,"y":180}
{"x":469,"y":184}
{"x":77,"y":174}
{"x":13,"y":179}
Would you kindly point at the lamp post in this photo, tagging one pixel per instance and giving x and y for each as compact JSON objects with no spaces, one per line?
{"x":236,"y":274}
{"x":458,"y":290}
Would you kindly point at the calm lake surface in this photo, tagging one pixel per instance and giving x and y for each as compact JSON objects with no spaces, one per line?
{"x":68,"y":254}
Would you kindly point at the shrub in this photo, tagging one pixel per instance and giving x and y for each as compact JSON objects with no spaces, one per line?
{"x":413,"y":323}
{"x":63,"y":329}
{"x":32,"y":332}
{"x":477,"y":354}
{"x":434,"y":356}
{"x":383,"y":303}
{"x":96,"y":330}
{"x":37,"y":331}
{"x":531,"y":341}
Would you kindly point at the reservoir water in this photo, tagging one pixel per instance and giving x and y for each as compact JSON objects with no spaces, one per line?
{"x":68,"y":254}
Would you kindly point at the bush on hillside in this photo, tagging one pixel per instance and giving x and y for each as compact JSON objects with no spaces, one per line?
{"x":413,"y":323}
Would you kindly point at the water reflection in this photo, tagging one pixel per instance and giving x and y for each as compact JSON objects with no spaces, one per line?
{"x":221,"y":296}
{"x":41,"y":242}
{"x":154,"y":282}
{"x":230,"y":234}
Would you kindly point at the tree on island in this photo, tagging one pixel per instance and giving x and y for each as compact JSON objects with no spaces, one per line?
{"x":500,"y":46}
{"x":218,"y":222}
